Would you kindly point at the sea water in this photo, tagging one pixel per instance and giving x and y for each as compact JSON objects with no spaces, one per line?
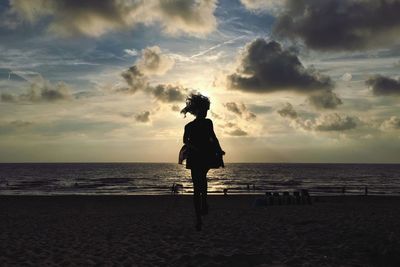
{"x":157,"y":178}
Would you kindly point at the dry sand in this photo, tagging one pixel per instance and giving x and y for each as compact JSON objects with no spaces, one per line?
{"x":159,"y":231}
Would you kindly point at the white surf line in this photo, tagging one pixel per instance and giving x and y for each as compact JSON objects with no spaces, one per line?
{"x":215,"y":47}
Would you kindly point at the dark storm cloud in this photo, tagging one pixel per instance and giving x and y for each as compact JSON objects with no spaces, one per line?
{"x":240,"y":110}
{"x":266,"y":67}
{"x":382,"y":85}
{"x":340,"y":24}
{"x":143,"y":117}
{"x":95,"y":18}
{"x":336,"y":122}
{"x":288,"y":111}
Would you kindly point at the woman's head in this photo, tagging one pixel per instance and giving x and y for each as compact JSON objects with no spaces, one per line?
{"x":196,"y":104}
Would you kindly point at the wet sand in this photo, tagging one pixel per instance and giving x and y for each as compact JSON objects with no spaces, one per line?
{"x":159,"y":231}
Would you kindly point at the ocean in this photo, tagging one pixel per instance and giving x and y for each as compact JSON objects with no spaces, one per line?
{"x":157,"y":178}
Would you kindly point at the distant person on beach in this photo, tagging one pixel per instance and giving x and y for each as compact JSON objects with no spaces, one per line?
{"x":202,"y":151}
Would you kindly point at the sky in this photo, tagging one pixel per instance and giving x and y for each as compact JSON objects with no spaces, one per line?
{"x":288,"y":80}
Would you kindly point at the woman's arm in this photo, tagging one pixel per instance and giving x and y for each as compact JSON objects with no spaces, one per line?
{"x":215,"y":139}
{"x":185,"y":137}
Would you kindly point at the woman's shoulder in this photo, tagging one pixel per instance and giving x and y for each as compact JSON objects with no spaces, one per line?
{"x":209,"y":121}
{"x":189,"y":124}
{"x":196,"y":123}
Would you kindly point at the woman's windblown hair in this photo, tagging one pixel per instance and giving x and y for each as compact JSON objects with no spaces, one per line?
{"x":195,"y":103}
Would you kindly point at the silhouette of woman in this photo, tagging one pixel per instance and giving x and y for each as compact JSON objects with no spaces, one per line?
{"x":203,"y":151}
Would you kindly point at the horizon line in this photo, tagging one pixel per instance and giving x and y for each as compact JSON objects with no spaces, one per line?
{"x":164,"y":162}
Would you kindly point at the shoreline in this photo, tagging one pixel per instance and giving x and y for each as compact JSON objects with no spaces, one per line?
{"x":260,"y":195}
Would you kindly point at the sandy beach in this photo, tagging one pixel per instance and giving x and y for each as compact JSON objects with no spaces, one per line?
{"x":159,"y":231}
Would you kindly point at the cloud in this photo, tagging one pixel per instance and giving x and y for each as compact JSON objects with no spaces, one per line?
{"x":8,"y":98}
{"x":153,"y":62}
{"x":288,"y":111}
{"x":266,"y":67}
{"x":168,"y":93}
{"x":240,"y":110}
{"x":14,"y":126}
{"x":126,"y":114}
{"x":45,"y":91}
{"x":235,"y":127}
{"x":335,"y":122}
{"x":382,"y":85}
{"x":393,"y":123}
{"x":325,"y":100}
{"x":193,"y":16}
{"x":229,"y":125}
{"x":347,"y":77}
{"x":215,"y":115}
{"x":95,"y":18}
{"x":260,"y":108}
{"x":233,"y":107}
{"x":131,"y":52}
{"x":135,"y":80}
{"x":175,"y":108}
{"x":214,"y":47}
{"x":237,"y":132}
{"x":41,"y":90}
{"x":271,"y":6}
{"x":251,"y":116}
{"x":340,"y":25}
{"x":324,"y":123}
{"x":143,"y":117}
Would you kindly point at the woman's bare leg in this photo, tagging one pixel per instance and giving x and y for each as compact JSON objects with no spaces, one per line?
{"x":204,"y":188}
{"x":197,"y":192}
